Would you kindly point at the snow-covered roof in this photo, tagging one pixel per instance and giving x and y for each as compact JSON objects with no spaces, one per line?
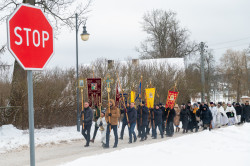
{"x":177,"y":63}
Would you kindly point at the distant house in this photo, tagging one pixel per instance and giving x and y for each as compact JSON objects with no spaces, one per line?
{"x":175,"y":63}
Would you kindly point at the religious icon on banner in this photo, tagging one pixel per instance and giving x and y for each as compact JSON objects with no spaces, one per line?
{"x":171,"y":99}
{"x":94,"y":87}
{"x":150,"y":97}
{"x":81,"y":83}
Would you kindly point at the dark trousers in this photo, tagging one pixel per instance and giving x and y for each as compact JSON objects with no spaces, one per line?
{"x":123,"y":128}
{"x":87,"y":129}
{"x":163,"y":126}
{"x":170,"y":128}
{"x":114,"y":128}
{"x":193,"y":125}
{"x":154,"y":130}
{"x":132,"y":131}
{"x":138,"y":127}
{"x":143,"y":131}
{"x":148,"y":128}
{"x":96,"y":129}
{"x":152,"y":126}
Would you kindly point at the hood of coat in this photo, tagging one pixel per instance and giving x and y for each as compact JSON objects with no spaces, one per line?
{"x":113,"y":102}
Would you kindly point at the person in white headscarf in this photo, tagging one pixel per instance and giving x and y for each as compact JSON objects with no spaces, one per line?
{"x":223,"y":116}
{"x":231,"y":114}
{"x":214,"y":112}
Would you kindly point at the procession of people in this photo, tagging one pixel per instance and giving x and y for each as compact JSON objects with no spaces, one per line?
{"x":159,"y":120}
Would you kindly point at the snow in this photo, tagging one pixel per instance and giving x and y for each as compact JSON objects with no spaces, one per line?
{"x":226,"y":146}
{"x":12,"y":138}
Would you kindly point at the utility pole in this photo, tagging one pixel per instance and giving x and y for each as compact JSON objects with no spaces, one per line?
{"x":202,"y":45}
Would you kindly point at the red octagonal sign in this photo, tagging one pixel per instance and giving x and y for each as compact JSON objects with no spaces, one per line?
{"x":30,"y":37}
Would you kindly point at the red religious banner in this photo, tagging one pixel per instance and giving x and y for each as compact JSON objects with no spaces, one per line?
{"x":94,"y":86}
{"x":171,"y":99}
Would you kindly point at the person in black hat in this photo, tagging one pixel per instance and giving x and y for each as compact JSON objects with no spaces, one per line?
{"x":164,"y":117}
{"x":143,"y":120}
{"x":157,"y":121}
{"x":170,"y":122}
{"x":184,"y":118}
{"x":246,"y":112}
{"x":238,"y":110}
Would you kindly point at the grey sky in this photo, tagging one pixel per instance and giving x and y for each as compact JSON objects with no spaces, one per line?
{"x":115,"y":29}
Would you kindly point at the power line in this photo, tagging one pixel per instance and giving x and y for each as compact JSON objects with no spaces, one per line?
{"x":231,"y":41}
{"x":230,"y":46}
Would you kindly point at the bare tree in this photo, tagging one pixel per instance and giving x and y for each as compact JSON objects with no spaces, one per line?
{"x":166,"y":38}
{"x":60,"y":13}
{"x":233,"y":66}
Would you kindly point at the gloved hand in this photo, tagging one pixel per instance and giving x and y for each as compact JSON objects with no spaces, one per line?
{"x":110,"y":114}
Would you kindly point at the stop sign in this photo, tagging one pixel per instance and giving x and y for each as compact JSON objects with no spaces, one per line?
{"x":30,"y":37}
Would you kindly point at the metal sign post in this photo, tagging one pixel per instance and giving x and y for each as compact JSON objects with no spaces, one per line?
{"x":31,"y":117}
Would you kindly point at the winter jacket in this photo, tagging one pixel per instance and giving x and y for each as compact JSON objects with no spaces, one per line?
{"x":177,"y":116}
{"x":132,"y":115}
{"x":206,"y":116}
{"x":246,"y":112}
{"x":144,"y":116}
{"x":88,"y":116}
{"x":184,"y":118}
{"x":171,"y":115}
{"x":238,"y":110}
{"x":115,"y":114}
{"x":157,"y":116}
{"x":164,"y":113}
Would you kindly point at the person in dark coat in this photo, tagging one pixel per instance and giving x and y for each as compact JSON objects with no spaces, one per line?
{"x":143,"y":120}
{"x":124,"y":121}
{"x":192,"y":120}
{"x":132,"y":116}
{"x":246,"y":112}
{"x":170,"y":122}
{"x":193,"y":124}
{"x":157,"y":118}
{"x":164,"y":117}
{"x":206,"y":117}
{"x":151,"y":121}
{"x":87,"y":116}
{"x":184,"y":118}
{"x":238,"y":110}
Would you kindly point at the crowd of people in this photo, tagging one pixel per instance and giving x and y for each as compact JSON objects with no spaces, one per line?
{"x":159,"y":119}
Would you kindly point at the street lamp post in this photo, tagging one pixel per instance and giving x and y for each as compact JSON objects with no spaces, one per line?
{"x":84,"y":37}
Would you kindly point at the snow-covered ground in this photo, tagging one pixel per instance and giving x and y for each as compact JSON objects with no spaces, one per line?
{"x":228,"y":146}
{"x":11,"y":138}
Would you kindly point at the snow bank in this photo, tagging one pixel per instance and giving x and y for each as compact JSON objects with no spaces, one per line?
{"x":227,"y":146}
{"x":12,"y":138}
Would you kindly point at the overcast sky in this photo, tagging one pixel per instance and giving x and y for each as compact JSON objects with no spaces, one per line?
{"x":115,"y":28}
